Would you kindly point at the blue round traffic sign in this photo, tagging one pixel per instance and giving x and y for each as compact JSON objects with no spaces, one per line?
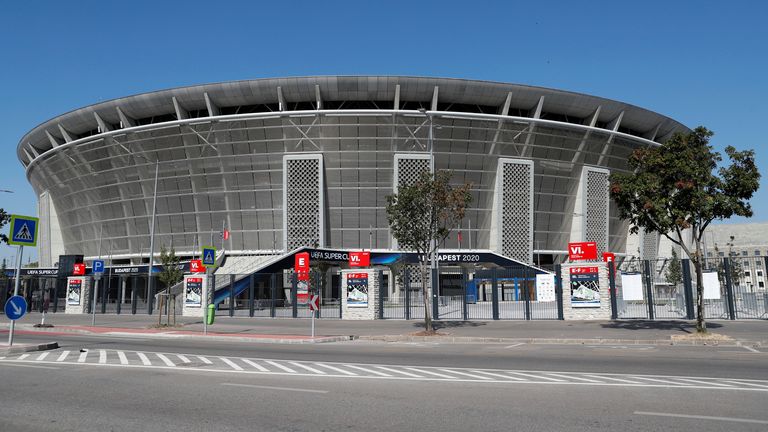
{"x":15,"y":307}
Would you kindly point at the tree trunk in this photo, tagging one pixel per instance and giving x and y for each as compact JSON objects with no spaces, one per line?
{"x":701,"y":325}
{"x":425,"y":295}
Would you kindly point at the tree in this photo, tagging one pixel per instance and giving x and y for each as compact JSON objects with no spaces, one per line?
{"x":4,"y":219}
{"x":677,"y":189}
{"x":422,"y":215}
{"x":170,"y":275}
{"x":674,"y":272}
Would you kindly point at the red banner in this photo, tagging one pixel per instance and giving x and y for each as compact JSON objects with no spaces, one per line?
{"x":196,"y":266}
{"x":359,"y":259}
{"x":79,"y":269}
{"x":609,"y":257}
{"x":582,"y":251}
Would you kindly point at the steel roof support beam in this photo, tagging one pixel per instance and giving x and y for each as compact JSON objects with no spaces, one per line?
{"x":280,"y":100}
{"x":318,"y":98}
{"x":614,"y":127}
{"x":181,"y":113}
{"x":396,"y":104}
{"x":587,"y":133}
{"x":653,"y":133}
{"x":125,"y":121}
{"x":102,"y":125}
{"x":52,"y":139}
{"x":64,"y":133}
{"x":504,"y":112}
{"x":434,"y":99}
{"x":213,"y":109}
{"x":529,"y":140}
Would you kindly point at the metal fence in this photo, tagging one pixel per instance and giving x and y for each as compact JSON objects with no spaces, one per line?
{"x":733,"y":288}
{"x":494,"y":294}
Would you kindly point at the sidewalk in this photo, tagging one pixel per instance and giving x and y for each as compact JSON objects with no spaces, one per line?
{"x":287,"y":330}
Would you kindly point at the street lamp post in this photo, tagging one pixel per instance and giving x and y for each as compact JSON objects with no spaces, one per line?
{"x":433,"y":243}
{"x":152,"y":234}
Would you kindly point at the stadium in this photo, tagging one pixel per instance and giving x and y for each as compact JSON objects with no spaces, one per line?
{"x":285,"y":163}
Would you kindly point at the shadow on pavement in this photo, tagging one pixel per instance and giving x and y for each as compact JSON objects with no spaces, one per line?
{"x":450,"y":324}
{"x":683,"y":326}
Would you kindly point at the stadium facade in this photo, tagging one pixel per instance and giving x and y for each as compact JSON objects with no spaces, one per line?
{"x":291,"y":162}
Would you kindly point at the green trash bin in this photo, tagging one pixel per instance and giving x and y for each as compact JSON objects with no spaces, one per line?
{"x":211,"y":314}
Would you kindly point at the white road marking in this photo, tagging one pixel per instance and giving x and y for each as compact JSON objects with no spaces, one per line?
{"x":204,"y":360}
{"x":667,"y":382}
{"x":765,"y":386}
{"x":514,"y":345}
{"x":81,"y":358}
{"x":537,"y":377}
{"x":23,"y":356}
{"x":423,"y":371}
{"x":368,"y":370}
{"x":701,"y":417}
{"x":183,"y":358}
{"x":499,"y":375}
{"x":279,"y":366}
{"x":102,"y":356}
{"x":749,"y":348}
{"x":63,"y":355}
{"x":275,"y":388}
{"x":703,"y":382}
{"x":165,"y":360}
{"x":231,"y":364}
{"x":395,"y":371}
{"x":311,"y":369}
{"x":29,"y":366}
{"x":612,"y":379}
{"x":451,"y":371}
{"x":255,"y":365}
{"x":144,"y":359}
{"x":573,"y":377}
{"x":42,"y":356}
{"x":123,"y":359}
{"x":336,"y":369}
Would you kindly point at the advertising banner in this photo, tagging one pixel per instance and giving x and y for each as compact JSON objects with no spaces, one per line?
{"x":74,"y":289}
{"x":711,"y":285}
{"x":585,"y":290}
{"x":632,"y":286}
{"x":582,"y":251}
{"x":193,"y":296}
{"x":357,"y":290}
{"x":545,"y":287}
{"x":359,"y":259}
{"x":302,"y":290}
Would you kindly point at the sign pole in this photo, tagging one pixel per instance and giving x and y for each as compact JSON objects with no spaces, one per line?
{"x":16,"y":292}
{"x":313,"y":323}
{"x":205,"y":302}
{"x":93,"y":302}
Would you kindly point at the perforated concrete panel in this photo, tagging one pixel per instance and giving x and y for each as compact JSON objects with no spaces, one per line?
{"x":514,"y":185}
{"x":303,"y":221}
{"x":596,"y":202}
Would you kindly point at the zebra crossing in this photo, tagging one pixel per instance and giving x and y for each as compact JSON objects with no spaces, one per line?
{"x":264,"y":366}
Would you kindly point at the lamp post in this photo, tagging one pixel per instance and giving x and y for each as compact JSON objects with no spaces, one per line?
{"x":433,"y":244}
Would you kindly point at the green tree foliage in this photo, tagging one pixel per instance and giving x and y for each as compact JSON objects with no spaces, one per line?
{"x":674,"y":272}
{"x":4,"y":219}
{"x":677,"y":190}
{"x":422,"y":216}
{"x":170,"y":275}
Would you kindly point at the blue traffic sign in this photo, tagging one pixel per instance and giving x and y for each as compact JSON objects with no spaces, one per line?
{"x":23,"y":230}
{"x":98,"y":266}
{"x":15,"y":307}
{"x":209,"y":255}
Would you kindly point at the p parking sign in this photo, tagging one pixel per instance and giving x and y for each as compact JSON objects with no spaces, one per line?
{"x":23,"y":230}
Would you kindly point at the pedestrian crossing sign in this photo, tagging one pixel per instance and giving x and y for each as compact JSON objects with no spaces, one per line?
{"x":209,"y":256}
{"x":23,"y":230}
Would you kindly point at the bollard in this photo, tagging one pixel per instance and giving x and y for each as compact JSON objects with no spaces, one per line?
{"x":211,"y":314}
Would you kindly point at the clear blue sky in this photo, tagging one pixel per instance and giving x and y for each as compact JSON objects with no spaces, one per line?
{"x":699,"y":62}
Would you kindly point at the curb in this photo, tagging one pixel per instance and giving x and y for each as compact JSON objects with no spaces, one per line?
{"x":211,"y":336}
{"x":560,"y":341}
{"x":29,"y":348}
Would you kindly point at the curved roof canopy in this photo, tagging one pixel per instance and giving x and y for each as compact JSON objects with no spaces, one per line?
{"x":345,"y":92}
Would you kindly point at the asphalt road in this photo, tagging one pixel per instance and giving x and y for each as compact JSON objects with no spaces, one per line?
{"x":166,"y":385}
